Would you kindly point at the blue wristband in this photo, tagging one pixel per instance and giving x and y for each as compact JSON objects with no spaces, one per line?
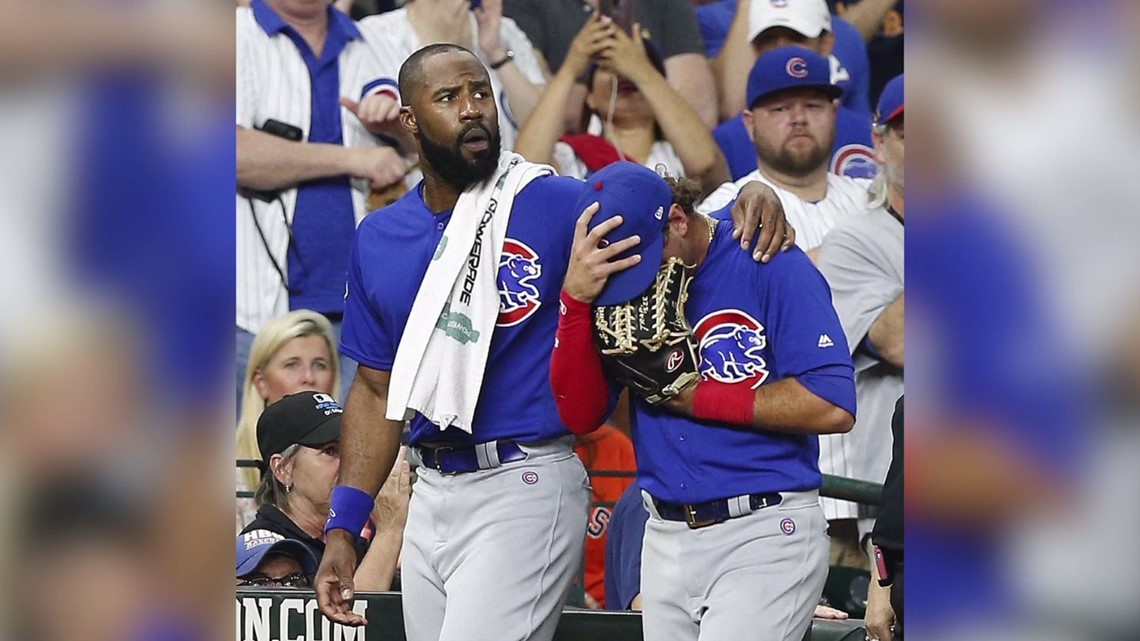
{"x":349,"y":509}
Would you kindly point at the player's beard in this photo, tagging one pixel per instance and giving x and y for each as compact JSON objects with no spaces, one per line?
{"x":449,"y":164}
{"x":795,"y":163}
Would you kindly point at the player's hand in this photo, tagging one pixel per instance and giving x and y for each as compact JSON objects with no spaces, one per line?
{"x":382,"y":165}
{"x":825,"y":612}
{"x":378,"y":112}
{"x":592,"y":260}
{"x":489,"y":17}
{"x":391,"y":510}
{"x":880,"y":616}
{"x":757,"y":206}
{"x":333,"y":584}
{"x":682,"y":402}
{"x":594,"y":36}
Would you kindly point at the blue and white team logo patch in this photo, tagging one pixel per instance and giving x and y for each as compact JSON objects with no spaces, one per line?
{"x":854,"y":161}
{"x":788,"y":527}
{"x":530,"y":477}
{"x":730,"y":343}
{"x":519,"y":267}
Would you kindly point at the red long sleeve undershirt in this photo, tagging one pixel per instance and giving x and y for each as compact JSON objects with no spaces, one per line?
{"x":576,"y":374}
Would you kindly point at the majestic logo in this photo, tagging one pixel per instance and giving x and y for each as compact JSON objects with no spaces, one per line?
{"x":730,"y":344}
{"x":797,"y":67}
{"x":854,"y":161}
{"x":825,"y":341}
{"x":518,"y":295}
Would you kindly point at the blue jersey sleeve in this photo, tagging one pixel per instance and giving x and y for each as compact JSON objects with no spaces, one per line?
{"x":808,"y":342}
{"x":365,"y":337}
{"x":623,"y":550}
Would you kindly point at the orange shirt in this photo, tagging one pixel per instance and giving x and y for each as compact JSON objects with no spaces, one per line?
{"x":609,"y":450}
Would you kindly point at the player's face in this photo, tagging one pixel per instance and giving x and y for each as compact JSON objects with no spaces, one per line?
{"x":793,"y":130}
{"x":314,"y":474}
{"x":629,"y":103}
{"x":304,"y":363}
{"x":889,"y":152}
{"x":456,"y":120}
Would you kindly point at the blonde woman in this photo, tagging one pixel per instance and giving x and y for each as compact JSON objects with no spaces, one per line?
{"x":292,"y":353}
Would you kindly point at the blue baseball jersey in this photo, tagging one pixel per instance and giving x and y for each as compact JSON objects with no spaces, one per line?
{"x":755,"y":324}
{"x":853,"y":154}
{"x":389,"y":258}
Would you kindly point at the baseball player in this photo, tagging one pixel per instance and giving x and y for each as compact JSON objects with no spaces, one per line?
{"x":791,"y":118}
{"x":497,"y":519}
{"x":736,"y":544}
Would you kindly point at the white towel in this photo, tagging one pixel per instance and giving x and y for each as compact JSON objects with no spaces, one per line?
{"x":439,"y":364}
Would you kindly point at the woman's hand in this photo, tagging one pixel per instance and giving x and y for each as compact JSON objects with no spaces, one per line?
{"x":592,"y":38}
{"x":625,"y":56}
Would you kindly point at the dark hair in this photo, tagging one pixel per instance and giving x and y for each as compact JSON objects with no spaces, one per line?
{"x":686,"y":193}
{"x":411,"y":72}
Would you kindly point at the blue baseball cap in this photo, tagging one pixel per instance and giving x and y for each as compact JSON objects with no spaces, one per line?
{"x":642,"y":199}
{"x":890,"y":101}
{"x":254,"y":545}
{"x":789,"y":67}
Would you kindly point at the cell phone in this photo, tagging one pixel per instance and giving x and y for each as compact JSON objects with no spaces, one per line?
{"x":622,"y":12}
{"x":281,"y":130}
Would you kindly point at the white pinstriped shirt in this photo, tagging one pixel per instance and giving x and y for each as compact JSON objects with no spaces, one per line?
{"x":273,"y":82}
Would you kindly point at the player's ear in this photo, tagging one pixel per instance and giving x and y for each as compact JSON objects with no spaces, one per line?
{"x":408,"y":120}
{"x":678,"y":220}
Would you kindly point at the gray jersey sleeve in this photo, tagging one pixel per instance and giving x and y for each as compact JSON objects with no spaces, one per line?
{"x":862,"y":264}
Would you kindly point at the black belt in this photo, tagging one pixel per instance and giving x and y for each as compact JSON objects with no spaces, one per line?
{"x":699,"y":515}
{"x":460,"y":460}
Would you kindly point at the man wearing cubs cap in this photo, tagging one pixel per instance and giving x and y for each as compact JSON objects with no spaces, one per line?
{"x":804,"y":23}
{"x":728,"y":467}
{"x":791,"y":121}
{"x":758,"y":26}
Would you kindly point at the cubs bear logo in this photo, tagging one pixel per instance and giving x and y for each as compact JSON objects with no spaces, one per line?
{"x":730,"y":343}
{"x":518,"y":295}
{"x":854,"y":161}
